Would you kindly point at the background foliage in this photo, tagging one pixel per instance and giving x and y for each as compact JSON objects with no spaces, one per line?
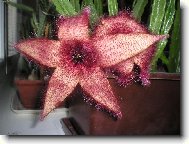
{"x":160,"y":16}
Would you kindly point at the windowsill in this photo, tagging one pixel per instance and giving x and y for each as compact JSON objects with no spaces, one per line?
{"x":12,"y":123}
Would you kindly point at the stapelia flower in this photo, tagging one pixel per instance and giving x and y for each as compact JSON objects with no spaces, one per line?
{"x":79,"y":58}
{"x":135,"y":68}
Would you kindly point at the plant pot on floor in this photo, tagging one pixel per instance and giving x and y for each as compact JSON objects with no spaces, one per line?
{"x":153,"y":110}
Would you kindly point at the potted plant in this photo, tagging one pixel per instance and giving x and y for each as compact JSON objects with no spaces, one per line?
{"x":153,"y":110}
{"x":115,"y":46}
{"x":30,"y":77}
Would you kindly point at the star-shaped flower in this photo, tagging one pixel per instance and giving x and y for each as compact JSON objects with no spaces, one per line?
{"x":135,"y":68}
{"x":80,"y":58}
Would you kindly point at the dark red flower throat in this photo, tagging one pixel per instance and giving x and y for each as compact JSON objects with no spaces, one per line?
{"x":80,"y":54}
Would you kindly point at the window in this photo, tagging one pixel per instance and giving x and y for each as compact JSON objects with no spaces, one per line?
{"x":8,"y":28}
{"x":1,"y":31}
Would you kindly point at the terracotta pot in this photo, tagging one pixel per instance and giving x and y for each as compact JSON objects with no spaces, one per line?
{"x":153,"y":110}
{"x":29,"y":92}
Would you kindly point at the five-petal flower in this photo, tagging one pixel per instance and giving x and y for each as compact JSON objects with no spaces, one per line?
{"x":135,"y":68}
{"x":80,"y":58}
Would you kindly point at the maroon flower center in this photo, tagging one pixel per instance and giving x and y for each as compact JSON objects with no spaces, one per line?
{"x":79,"y":54}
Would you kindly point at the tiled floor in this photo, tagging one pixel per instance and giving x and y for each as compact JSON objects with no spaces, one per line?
{"x":26,"y":123}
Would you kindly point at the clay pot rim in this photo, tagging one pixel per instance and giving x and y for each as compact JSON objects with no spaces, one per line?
{"x":153,"y":75}
{"x":160,"y":76}
{"x":164,"y":75}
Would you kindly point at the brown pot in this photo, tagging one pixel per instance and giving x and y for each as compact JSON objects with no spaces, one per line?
{"x":153,"y":110}
{"x":29,"y":92}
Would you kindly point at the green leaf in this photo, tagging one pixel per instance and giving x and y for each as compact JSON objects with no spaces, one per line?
{"x":159,"y":52}
{"x":68,"y":7}
{"x":166,"y":25}
{"x":164,"y":59}
{"x":34,"y":23}
{"x":82,"y":4}
{"x":178,"y":63}
{"x":112,"y":7}
{"x":168,"y":18}
{"x":42,"y":22}
{"x":157,"y":14}
{"x":93,"y":14}
{"x":20,"y":6}
{"x":76,"y":5}
{"x":99,"y":7}
{"x":134,"y":3}
{"x":59,"y":8}
{"x":138,"y":8}
{"x":43,"y":4}
{"x":64,"y":7}
{"x":23,"y":65}
{"x":174,"y":52}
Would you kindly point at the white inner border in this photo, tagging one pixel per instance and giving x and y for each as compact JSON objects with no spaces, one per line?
{"x":135,"y":140}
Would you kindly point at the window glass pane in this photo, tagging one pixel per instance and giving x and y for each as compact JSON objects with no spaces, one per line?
{"x":1,"y":30}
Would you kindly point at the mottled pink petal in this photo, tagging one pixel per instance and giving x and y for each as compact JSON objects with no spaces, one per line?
{"x":61,"y":84}
{"x":144,"y":60}
{"x":122,"y":23}
{"x":43,"y":51}
{"x":123,"y":72}
{"x":114,"y":49}
{"x":97,"y":86}
{"x":75,"y":27}
{"x":125,"y":69}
